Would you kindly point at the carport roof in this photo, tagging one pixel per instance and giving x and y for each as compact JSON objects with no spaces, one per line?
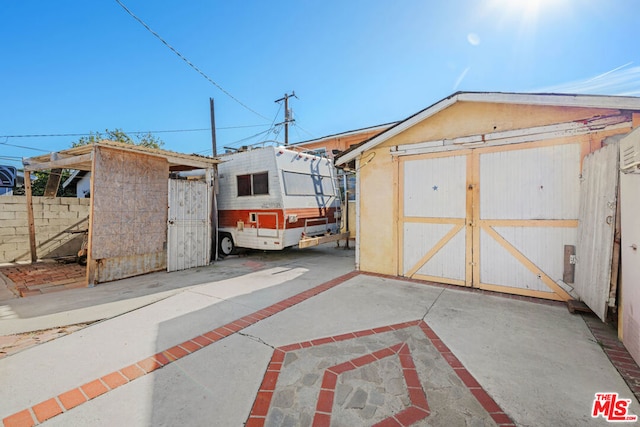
{"x":548,"y":99}
{"x":80,"y":157}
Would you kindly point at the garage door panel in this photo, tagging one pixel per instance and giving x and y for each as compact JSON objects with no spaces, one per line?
{"x":449,"y":261}
{"x":499,"y":267}
{"x":535,"y":183}
{"x":435,"y":187}
{"x":419,"y":239}
{"x":543,"y":246}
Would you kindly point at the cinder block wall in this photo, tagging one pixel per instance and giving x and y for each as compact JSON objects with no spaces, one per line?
{"x":53,"y":217}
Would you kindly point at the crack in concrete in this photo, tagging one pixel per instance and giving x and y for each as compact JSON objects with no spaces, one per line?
{"x":256,"y":339}
{"x":433,"y":303}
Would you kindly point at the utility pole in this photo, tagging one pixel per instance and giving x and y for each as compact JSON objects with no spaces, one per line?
{"x":287,"y":115}
{"x":213,"y":127}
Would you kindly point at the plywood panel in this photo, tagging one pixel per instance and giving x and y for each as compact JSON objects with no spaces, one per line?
{"x":129,"y":212}
{"x":598,"y":199}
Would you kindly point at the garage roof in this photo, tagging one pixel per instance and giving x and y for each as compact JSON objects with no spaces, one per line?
{"x":548,"y":99}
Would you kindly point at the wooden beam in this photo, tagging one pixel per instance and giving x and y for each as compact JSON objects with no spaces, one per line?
{"x":562,"y":223}
{"x":32,"y":225}
{"x":435,"y":279}
{"x":66,"y":163}
{"x":426,"y":220}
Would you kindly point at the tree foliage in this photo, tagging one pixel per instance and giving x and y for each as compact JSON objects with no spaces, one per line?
{"x":118,"y":135}
{"x":146,"y":140}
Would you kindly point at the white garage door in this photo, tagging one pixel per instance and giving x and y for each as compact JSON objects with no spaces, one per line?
{"x":496,"y":218}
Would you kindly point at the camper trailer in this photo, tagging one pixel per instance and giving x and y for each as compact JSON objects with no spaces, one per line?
{"x":272,"y":197}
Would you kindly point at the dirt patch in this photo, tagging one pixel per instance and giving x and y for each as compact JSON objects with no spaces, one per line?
{"x":10,"y":344}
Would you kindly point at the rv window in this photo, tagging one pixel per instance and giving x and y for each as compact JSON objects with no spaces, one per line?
{"x":253,"y":184}
{"x":244,"y":185}
{"x":304,"y":184}
{"x":261,"y":183}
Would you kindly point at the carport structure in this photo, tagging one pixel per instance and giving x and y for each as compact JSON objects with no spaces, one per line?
{"x":140,"y":220}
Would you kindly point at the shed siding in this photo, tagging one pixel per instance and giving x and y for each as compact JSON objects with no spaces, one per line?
{"x":129,"y":214}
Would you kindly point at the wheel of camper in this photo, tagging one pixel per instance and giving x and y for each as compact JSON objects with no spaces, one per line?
{"x":225,"y":244}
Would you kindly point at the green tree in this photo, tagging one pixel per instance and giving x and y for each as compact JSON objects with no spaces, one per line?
{"x":118,"y":135}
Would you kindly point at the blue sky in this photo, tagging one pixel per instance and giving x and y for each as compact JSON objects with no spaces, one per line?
{"x":73,"y":67}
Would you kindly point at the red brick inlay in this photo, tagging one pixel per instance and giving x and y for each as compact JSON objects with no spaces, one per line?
{"x":50,"y":408}
{"x":419,"y":408}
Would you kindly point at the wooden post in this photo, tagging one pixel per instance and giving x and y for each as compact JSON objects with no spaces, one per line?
{"x":32,"y":224}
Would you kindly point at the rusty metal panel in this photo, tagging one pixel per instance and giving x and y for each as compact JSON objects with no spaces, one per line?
{"x":189,"y":224}
{"x":536,"y":183}
{"x":598,"y":199}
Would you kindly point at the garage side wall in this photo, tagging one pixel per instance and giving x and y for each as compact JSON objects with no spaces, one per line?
{"x":129,"y":215}
{"x":378,"y":212}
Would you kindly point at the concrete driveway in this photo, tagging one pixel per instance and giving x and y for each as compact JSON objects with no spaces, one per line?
{"x":300,"y":339}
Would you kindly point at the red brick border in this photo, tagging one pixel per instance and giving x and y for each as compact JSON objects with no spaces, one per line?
{"x":615,"y":350}
{"x":419,"y":408}
{"x":50,"y":408}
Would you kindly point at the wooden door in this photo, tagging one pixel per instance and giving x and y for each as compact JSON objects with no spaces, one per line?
{"x":433,"y":218}
{"x":494,"y":218}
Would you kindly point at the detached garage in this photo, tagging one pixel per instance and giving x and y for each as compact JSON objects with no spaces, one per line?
{"x":482,"y":189}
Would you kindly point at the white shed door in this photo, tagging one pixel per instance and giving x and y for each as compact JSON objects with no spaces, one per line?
{"x":495,"y":218}
{"x":189,"y":225}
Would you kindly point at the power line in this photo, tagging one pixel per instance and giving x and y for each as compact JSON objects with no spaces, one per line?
{"x":127,"y":132}
{"x":26,"y":148}
{"x":187,"y":61}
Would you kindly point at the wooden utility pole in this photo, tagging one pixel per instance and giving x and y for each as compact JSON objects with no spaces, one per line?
{"x":287,"y":115}
{"x":214,"y":198}
{"x":213,"y":127}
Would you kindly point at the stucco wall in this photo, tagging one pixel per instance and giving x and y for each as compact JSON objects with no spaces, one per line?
{"x":378,"y":210}
{"x":52,"y":217}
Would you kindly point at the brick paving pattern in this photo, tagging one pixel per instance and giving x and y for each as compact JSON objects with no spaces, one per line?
{"x":353,"y":384}
{"x":42,"y":277}
{"x":396,"y":375}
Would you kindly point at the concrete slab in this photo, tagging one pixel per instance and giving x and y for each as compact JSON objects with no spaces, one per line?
{"x":187,"y":392}
{"x":479,"y":359}
{"x":538,"y":360}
